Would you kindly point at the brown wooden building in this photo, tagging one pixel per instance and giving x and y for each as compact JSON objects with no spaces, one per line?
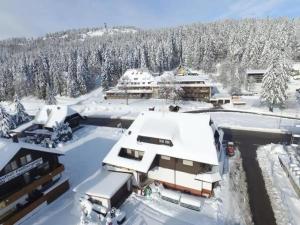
{"x":30,"y":178}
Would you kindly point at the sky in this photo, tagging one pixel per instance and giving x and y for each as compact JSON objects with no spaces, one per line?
{"x":33,"y":18}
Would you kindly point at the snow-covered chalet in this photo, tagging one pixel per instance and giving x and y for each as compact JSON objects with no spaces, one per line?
{"x":181,"y":151}
{"x":30,"y":178}
{"x":135,"y":83}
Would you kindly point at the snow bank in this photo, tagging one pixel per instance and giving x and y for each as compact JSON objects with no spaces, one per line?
{"x":284,"y":200}
{"x":253,"y":122}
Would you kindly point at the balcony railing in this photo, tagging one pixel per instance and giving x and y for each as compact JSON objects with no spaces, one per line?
{"x":24,"y":210}
{"x":32,"y":186}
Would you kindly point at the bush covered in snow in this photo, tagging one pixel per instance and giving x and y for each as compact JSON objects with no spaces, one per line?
{"x":6,"y":123}
{"x":20,"y":115}
{"x":62,"y":132}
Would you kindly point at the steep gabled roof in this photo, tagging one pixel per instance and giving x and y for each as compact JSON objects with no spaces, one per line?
{"x":9,"y":149}
{"x":191,"y":135}
{"x":49,"y":115}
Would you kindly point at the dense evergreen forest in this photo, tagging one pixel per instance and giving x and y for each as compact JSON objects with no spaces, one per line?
{"x":74,"y":62}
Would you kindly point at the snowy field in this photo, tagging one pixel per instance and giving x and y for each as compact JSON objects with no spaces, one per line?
{"x":253,"y":104}
{"x":83,"y":156}
{"x":94,"y":105}
{"x":256,"y":122}
{"x":284,"y":200}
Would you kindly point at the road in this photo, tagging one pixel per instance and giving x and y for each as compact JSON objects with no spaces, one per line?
{"x":107,"y":122}
{"x":248,"y":142}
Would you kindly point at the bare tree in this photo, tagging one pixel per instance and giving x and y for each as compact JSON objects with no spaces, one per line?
{"x":125,"y":81}
{"x":170,"y":89}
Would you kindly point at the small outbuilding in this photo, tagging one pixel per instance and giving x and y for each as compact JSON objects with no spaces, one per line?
{"x":106,"y":188}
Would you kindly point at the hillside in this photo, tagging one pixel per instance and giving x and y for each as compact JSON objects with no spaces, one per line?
{"x":74,"y":62}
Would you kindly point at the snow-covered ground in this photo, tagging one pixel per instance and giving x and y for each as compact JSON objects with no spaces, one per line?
{"x":284,"y":200}
{"x":253,"y":103}
{"x":94,"y":104}
{"x":83,"y":156}
{"x":254,"y":122}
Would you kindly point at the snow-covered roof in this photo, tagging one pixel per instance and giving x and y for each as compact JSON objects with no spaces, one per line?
{"x":182,"y":78}
{"x":256,"y":71}
{"x":23,"y":127}
{"x":49,"y":115}
{"x":103,"y":184}
{"x":8,"y":149}
{"x":137,"y":91}
{"x":136,"y":77}
{"x":191,"y":135}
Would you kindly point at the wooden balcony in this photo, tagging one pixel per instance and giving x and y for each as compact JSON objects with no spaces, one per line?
{"x":17,"y":215}
{"x":32,"y":186}
{"x":33,"y":204}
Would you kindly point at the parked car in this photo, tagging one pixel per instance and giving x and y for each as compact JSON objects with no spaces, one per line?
{"x":230,"y":149}
{"x":174,"y":108}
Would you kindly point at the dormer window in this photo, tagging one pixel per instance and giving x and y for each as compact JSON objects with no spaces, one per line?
{"x":131,"y":154}
{"x":152,"y":140}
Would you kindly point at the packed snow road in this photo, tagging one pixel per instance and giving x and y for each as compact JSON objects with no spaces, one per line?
{"x":248,"y":142}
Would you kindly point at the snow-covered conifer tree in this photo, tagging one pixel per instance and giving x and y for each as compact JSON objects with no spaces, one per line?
{"x":62,"y":132}
{"x":274,"y":85}
{"x":20,"y":114}
{"x":6,"y":123}
{"x":51,"y":100}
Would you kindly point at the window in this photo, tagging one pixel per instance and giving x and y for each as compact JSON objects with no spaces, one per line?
{"x":187,"y":162}
{"x":152,"y":140}
{"x":129,"y":151}
{"x":25,"y":159}
{"x":165,"y":157}
{"x":167,"y":142}
{"x":141,"y":154}
{"x":14,"y":165}
{"x":131,"y":154}
{"x":7,"y":168}
{"x":45,"y":166}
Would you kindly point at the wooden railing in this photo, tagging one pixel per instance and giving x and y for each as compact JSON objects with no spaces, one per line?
{"x":16,"y":216}
{"x":29,"y":188}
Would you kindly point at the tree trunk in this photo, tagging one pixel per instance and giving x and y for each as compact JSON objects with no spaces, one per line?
{"x":271,"y":108}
